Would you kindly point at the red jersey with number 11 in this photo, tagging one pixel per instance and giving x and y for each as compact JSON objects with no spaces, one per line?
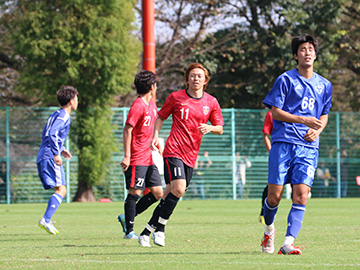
{"x":188,"y":113}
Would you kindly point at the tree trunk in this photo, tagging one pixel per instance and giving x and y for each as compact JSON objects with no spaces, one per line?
{"x":84,"y":193}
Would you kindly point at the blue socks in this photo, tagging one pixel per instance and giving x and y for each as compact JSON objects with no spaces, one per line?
{"x":53,"y":204}
{"x":295,"y":219}
{"x":269,"y":213}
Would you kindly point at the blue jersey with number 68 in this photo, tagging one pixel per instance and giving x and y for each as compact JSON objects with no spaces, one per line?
{"x":297,"y":95}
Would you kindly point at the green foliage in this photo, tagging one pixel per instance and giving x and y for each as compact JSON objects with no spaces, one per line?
{"x":87,"y":44}
{"x":245,"y":67}
{"x":94,"y":137}
{"x":83,"y":43}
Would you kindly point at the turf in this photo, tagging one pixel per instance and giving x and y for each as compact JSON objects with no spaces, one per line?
{"x":199,"y":235}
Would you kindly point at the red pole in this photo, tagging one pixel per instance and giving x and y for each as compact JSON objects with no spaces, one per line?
{"x":148,"y":33}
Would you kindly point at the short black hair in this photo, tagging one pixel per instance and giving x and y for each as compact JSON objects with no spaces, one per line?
{"x":297,"y":41}
{"x":65,"y":94}
{"x":144,"y":80}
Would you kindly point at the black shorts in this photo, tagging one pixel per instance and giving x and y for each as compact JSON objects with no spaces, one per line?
{"x":139,"y":177}
{"x":175,"y":168}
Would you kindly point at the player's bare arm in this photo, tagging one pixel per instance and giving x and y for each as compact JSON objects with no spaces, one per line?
{"x":125,"y":163}
{"x":312,"y":134}
{"x":155,"y":144}
{"x":267,"y":141}
{"x":205,"y":128}
{"x":66,"y":154}
{"x":311,"y":122}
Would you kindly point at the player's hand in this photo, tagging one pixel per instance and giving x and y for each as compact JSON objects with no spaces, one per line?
{"x":66,"y":154}
{"x":158,"y":148}
{"x":155,"y":145}
{"x":311,"y":135}
{"x":313,"y":122}
{"x":204,"y":128}
{"x":125,"y":163}
{"x":58,"y":160}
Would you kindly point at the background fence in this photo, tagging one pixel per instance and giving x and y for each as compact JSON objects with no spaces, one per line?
{"x":20,"y":138}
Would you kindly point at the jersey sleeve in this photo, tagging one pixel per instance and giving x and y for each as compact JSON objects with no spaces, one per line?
{"x":167,"y":108}
{"x":268,"y":124}
{"x":327,"y":102}
{"x":134,"y":115}
{"x":276,"y":96}
{"x":216,"y":117}
{"x":54,"y":136}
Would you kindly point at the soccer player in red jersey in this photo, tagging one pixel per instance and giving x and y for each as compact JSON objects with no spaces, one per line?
{"x":191,"y":109}
{"x":267,"y":129}
{"x":139,"y":168}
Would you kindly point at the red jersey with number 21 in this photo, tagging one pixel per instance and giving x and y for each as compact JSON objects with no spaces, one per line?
{"x":141,"y":117}
{"x":188,"y":113}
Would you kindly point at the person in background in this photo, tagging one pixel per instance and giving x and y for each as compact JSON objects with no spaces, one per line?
{"x":267,"y":129}
{"x":199,"y":171}
{"x":49,"y":161}
{"x":243,"y":164}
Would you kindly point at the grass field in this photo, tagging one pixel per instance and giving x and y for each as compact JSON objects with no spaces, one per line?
{"x":200,"y":235}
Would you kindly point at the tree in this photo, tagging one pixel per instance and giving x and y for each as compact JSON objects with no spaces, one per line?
{"x":244,"y":44}
{"x":245,"y":67}
{"x":87,"y":44}
{"x":347,"y":71}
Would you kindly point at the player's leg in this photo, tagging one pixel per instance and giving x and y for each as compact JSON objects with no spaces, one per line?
{"x":304,"y":168}
{"x":295,"y":219}
{"x":135,"y":183}
{"x":153,"y":182}
{"x":264,"y":195}
{"x":270,"y":209}
{"x":151,"y":226}
{"x":130,"y":212}
{"x":279,"y":165}
{"x":52,"y":176}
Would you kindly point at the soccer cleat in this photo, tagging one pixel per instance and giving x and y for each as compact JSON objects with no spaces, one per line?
{"x":159,"y":238}
{"x":261,"y":219}
{"x":121,"y":219}
{"x":268,"y":243}
{"x":144,"y":241}
{"x":49,"y":227}
{"x":289,"y":250}
{"x":131,"y":235}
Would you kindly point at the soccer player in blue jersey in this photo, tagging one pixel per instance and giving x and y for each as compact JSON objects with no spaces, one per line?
{"x":49,"y":161}
{"x":300,"y":101}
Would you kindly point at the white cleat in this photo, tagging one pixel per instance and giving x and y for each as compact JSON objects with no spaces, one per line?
{"x":144,"y":240}
{"x":268,"y":243}
{"x":49,"y":227}
{"x":159,"y":238}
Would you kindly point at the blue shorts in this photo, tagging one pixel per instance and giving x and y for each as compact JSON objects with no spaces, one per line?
{"x":294,"y":164}
{"x":51,"y":175}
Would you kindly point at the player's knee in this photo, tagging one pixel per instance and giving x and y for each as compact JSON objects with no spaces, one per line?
{"x":158,"y":195}
{"x":178,"y":192}
{"x":273,"y":200}
{"x":301,"y":198}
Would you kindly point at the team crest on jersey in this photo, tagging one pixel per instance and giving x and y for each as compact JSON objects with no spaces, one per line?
{"x":155,"y":112}
{"x":206,"y":110}
{"x":319,"y":89}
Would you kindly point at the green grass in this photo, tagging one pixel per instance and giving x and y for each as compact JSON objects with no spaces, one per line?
{"x":199,"y":235}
